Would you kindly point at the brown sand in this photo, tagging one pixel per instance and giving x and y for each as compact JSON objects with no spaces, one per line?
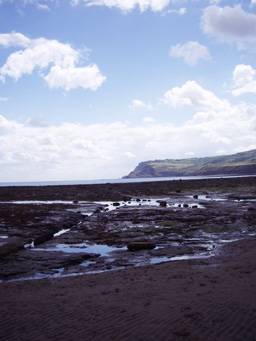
{"x":212,"y":299}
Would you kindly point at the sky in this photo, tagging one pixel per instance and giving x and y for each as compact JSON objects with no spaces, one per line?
{"x":90,"y":88}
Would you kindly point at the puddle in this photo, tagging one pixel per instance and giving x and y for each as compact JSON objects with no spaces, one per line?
{"x":38,"y":202}
{"x":224,"y":241}
{"x":195,"y":256}
{"x":29,"y":245}
{"x":102,"y":249}
{"x":207,"y":197}
{"x":245,"y":200}
{"x":163,"y":259}
{"x":111,"y":206}
{"x":159,"y":260}
{"x":61,"y":232}
{"x":89,"y":208}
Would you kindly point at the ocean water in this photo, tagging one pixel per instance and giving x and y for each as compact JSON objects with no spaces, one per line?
{"x":113,"y":181}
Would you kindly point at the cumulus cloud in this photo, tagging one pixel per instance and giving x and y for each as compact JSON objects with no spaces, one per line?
{"x":137,"y":104}
{"x":14,"y":39}
{"x":128,"y":5}
{"x":123,"y":5}
{"x":192,"y":94}
{"x":110,"y":150}
{"x":244,"y":80}
{"x":60,"y":63}
{"x":191,"y":52}
{"x":229,"y":24}
{"x":88,"y":77}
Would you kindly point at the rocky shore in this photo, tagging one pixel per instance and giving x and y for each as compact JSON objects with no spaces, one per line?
{"x":167,"y":260}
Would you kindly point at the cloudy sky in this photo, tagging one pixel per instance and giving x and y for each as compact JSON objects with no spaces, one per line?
{"x":89,"y":88}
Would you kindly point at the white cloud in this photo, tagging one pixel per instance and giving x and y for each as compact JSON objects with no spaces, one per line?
{"x":43,"y":7}
{"x":148,"y":119}
{"x":110,"y":150}
{"x":193,"y":95}
{"x":229,"y":24}
{"x":128,"y":5}
{"x":244,"y":80}
{"x":59,"y":61}
{"x":137,"y":104}
{"x":179,"y":11}
{"x":191,"y":52}
{"x":14,"y":39}
{"x":123,"y":5}
{"x":88,"y":77}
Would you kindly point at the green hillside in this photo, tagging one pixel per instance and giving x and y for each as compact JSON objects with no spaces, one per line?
{"x":237,"y":164}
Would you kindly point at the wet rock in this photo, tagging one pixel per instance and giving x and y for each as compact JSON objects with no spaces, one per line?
{"x":162,"y":203}
{"x":77,"y":259}
{"x":195,"y":196}
{"x":141,"y":245}
{"x":10,"y":246}
{"x":43,"y":238}
{"x":194,"y":206}
{"x":185,"y":205}
{"x":115,"y":204}
{"x":172,"y":251}
{"x":75,"y":202}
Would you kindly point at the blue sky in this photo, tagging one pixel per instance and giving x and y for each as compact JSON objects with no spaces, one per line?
{"x":90,"y":88}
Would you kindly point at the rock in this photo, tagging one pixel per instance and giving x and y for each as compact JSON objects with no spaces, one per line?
{"x":77,"y":259}
{"x":185,"y":205}
{"x":194,"y":206}
{"x":43,"y":238}
{"x":115,"y":204}
{"x":11,"y":245}
{"x":141,"y":245}
{"x":162,"y":203}
{"x":75,"y":202}
{"x":195,"y":196}
{"x":137,"y":199}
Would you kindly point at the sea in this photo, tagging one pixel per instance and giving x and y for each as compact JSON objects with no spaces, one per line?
{"x":114,"y":181}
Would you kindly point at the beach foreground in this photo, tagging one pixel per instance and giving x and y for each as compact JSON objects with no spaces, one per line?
{"x":193,"y":300}
{"x":209,"y":297}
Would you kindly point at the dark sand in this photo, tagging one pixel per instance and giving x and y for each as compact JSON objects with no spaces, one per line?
{"x":190,"y":300}
{"x":209,"y":299}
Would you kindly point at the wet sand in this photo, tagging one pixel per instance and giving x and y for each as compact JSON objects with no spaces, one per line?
{"x":208,"y":299}
{"x":212,"y":299}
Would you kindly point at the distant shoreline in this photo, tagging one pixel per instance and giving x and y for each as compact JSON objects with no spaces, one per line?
{"x":116,"y":181}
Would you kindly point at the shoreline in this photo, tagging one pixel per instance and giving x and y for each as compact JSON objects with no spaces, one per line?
{"x":118,"y":191}
{"x":123,"y":180}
